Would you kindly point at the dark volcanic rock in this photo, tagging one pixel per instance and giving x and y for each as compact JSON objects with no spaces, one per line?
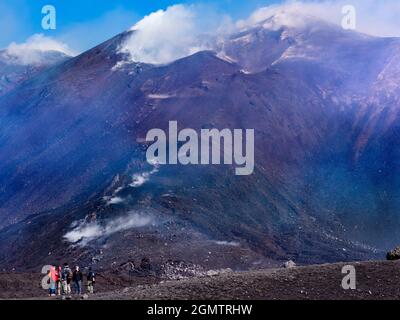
{"x":393,"y":254}
{"x":375,"y":281}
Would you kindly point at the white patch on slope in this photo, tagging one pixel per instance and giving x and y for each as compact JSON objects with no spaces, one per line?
{"x":115,"y":200}
{"x":223,"y":56}
{"x":139,"y":179}
{"x":160,"y":96}
{"x":228,"y":243}
{"x":120,"y":65}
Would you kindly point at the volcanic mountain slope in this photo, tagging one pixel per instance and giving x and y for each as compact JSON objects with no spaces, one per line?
{"x":357,"y":75}
{"x":74,"y":182}
{"x":13,"y":71}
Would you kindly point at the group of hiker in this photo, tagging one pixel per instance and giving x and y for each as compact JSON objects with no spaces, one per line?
{"x":61,"y":279}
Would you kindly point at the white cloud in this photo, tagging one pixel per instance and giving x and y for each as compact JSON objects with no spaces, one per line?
{"x":297,"y":13}
{"x":34,"y":49}
{"x":377,"y":17}
{"x":86,"y":232}
{"x":373,"y":16}
{"x":166,"y":35}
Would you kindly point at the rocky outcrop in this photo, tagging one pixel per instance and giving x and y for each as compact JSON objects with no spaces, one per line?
{"x":289,"y":264}
{"x":393,"y":254}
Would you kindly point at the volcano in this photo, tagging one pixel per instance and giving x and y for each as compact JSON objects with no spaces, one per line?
{"x":14,"y":71}
{"x":323,"y":103}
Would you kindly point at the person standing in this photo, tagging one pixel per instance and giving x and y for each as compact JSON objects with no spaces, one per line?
{"x":55,"y":275}
{"x":52,"y":281}
{"x":77,"y":278}
{"x":91,"y":279}
{"x":66,"y":277}
{"x":58,"y":280}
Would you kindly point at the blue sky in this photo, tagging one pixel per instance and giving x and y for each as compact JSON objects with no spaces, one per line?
{"x":85,"y":23}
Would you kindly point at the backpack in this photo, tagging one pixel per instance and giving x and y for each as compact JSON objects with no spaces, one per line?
{"x":91,"y":276}
{"x":66,"y":274}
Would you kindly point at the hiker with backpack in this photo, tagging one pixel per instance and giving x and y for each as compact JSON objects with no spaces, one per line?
{"x":77,"y":279}
{"x":91,"y":280}
{"x":66,"y":278}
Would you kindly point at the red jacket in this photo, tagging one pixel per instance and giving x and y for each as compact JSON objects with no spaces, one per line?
{"x":55,"y":274}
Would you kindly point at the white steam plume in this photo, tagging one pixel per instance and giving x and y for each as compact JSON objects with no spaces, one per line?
{"x":168,"y":35}
{"x":86,"y":232}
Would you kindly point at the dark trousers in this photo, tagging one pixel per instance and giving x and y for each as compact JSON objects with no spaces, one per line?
{"x":78,"y":287}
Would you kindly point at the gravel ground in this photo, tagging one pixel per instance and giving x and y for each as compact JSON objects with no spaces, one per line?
{"x":374,"y":280}
{"x":28,"y":285}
